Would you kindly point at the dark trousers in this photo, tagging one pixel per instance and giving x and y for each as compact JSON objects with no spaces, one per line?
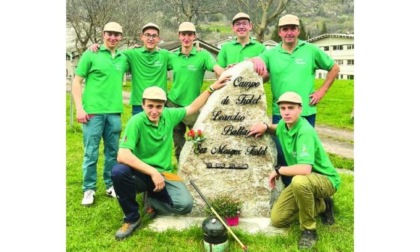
{"x":136,"y":109}
{"x":127,"y":183}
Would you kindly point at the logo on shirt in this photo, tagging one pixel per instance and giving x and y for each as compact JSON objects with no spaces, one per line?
{"x":192,"y":68}
{"x":300,"y":61}
{"x":157,"y":64}
{"x":304,"y":151}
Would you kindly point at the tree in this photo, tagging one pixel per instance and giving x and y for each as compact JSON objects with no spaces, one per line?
{"x":275,"y":36}
{"x":191,"y":10}
{"x":267,"y":12}
{"x":262,"y":13}
{"x":324,"y":28}
{"x":302,"y":35}
{"x":132,"y":15}
{"x":87,"y":17}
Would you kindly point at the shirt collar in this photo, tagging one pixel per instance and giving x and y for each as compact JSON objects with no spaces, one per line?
{"x":294,"y":129}
{"x":299,"y":44}
{"x":192,"y":52}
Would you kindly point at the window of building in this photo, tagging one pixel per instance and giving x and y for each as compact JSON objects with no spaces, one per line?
{"x":350,"y":47}
{"x":350,"y":77}
{"x":337,"y":47}
{"x":340,"y":62}
{"x":326,"y":48}
{"x":350,"y":62}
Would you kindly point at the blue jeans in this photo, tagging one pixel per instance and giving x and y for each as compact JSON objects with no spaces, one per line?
{"x":173,"y":199}
{"x":281,"y":161}
{"x":136,"y":109}
{"x":108,"y":127}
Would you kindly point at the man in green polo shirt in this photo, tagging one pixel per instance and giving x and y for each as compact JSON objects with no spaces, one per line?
{"x":292,"y":65}
{"x":189,"y":65}
{"x":315,"y":179}
{"x":145,"y":159}
{"x":148,"y":65}
{"x":243,"y":47}
{"x":100,"y":107}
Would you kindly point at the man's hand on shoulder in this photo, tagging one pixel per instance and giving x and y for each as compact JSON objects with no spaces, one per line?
{"x":94,"y":47}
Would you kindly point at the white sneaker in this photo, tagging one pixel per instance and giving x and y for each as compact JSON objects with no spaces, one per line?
{"x":111,"y":192}
{"x":88,"y":198}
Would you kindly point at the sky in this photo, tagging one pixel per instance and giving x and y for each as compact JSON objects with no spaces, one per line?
{"x":33,"y":123}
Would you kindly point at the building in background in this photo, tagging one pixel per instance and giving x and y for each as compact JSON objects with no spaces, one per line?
{"x":341,"y":48}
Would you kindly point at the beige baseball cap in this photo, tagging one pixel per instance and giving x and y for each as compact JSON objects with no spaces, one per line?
{"x":154,"y":93}
{"x":150,"y":25}
{"x":113,"y":27}
{"x":289,"y":19}
{"x":186,"y":26}
{"x":240,"y":15}
{"x":291,"y":97}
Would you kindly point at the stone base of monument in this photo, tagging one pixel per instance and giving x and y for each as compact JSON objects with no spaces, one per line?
{"x":228,"y":161}
{"x":250,"y":225}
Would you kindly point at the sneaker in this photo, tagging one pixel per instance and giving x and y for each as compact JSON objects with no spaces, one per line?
{"x":88,"y":197}
{"x":308,"y":239}
{"x":148,"y":210}
{"x":127,"y":229}
{"x":111,"y":192}
{"x":327,"y":217}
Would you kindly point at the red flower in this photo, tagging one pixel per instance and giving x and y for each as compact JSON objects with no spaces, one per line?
{"x":191,"y":133}
{"x":197,"y":136}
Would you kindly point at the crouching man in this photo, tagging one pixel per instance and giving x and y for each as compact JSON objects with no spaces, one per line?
{"x":314,"y":180}
{"x":145,"y":160}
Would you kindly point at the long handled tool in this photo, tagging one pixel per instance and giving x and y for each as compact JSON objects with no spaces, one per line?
{"x":218,"y":216}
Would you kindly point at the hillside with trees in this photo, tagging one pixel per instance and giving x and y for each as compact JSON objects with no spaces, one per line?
{"x":85,"y":18}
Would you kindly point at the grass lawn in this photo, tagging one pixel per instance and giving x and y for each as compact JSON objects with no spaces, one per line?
{"x":93,"y":228}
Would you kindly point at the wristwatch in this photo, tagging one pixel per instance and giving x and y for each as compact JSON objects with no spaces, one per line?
{"x":266,"y":124}
{"x":277,"y":170}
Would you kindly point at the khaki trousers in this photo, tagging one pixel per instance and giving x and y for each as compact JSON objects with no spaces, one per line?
{"x":303,"y":200}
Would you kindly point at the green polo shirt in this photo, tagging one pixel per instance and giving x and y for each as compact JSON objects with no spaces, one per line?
{"x":295,"y":72}
{"x":150,"y":143}
{"x":301,"y":145}
{"x":188,"y":75}
{"x":103,"y":76}
{"x":233,"y":52}
{"x":148,"y":68}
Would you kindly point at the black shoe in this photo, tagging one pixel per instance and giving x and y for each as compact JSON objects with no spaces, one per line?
{"x":308,"y":239}
{"x":327,"y":217}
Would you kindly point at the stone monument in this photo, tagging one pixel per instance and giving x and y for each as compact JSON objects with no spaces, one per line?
{"x":228,"y":161}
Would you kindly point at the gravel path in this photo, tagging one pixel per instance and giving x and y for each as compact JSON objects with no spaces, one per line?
{"x":337,"y":141}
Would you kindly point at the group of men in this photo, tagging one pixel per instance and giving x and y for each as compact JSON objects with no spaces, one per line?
{"x":141,"y":159}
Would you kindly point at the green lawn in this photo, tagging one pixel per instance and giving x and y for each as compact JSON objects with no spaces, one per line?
{"x":93,"y":228}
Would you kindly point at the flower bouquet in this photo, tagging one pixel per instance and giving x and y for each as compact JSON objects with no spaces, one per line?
{"x":196,"y":136}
